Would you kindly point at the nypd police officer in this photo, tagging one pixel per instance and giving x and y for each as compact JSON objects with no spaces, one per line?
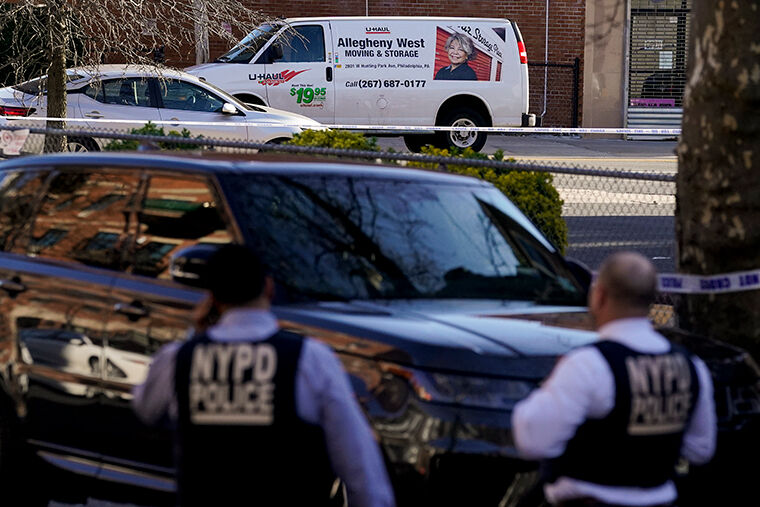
{"x":613,"y":418}
{"x":260,"y":416}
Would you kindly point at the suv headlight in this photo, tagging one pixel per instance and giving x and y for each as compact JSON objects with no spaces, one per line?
{"x":465,"y":390}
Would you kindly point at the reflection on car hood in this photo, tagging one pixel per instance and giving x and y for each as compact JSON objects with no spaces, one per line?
{"x":458,"y":335}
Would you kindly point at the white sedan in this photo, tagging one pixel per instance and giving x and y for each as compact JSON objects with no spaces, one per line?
{"x":131,"y":96}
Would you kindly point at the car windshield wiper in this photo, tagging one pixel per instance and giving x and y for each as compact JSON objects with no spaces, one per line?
{"x":554,"y":294}
{"x":293,"y":294}
{"x":537,"y":287}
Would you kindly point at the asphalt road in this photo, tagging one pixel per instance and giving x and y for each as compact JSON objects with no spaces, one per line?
{"x":646,"y":156}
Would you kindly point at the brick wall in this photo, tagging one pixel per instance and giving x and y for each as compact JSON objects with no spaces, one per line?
{"x":566,"y":35}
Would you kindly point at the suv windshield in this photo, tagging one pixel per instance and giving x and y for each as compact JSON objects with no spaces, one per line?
{"x":250,"y":45}
{"x":343,"y":238}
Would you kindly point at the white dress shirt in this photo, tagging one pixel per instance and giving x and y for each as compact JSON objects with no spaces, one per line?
{"x":582,"y":387}
{"x":323,"y":397}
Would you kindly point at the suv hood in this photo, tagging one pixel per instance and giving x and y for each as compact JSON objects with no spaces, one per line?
{"x":454,"y":335}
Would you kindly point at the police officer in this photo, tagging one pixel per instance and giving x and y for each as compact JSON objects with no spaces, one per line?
{"x":260,"y":416}
{"x":613,"y":418}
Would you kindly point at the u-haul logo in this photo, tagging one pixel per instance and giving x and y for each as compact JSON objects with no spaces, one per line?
{"x":376,"y":29}
{"x":276,"y":78}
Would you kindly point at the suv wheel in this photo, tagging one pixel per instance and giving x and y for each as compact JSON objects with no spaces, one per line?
{"x":463,"y":117}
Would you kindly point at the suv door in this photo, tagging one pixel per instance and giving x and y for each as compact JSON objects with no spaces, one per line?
{"x":19,"y":191}
{"x":63,"y":275}
{"x":299,"y":73}
{"x":176,"y":212}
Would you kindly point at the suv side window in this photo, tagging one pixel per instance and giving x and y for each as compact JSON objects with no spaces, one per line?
{"x":84,"y":218}
{"x":122,"y":92}
{"x":18,"y":191}
{"x":301,"y":44}
{"x":176,"y":212}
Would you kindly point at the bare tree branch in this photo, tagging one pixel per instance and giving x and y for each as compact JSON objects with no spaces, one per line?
{"x":48,"y":35}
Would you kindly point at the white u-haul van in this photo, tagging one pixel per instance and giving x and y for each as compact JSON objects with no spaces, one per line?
{"x":404,"y":71}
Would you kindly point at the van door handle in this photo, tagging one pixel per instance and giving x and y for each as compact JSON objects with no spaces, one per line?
{"x":12,"y":287}
{"x":134,"y":310}
{"x":328,"y":73}
{"x":93,"y":114}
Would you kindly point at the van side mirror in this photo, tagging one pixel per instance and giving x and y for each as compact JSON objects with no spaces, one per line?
{"x":275,"y":53}
{"x":188,"y":266}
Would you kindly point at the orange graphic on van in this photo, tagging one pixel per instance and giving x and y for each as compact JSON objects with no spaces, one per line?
{"x":275,"y":78}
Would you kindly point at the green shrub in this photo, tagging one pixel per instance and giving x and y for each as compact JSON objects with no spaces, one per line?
{"x":532,"y":192}
{"x":341,"y":139}
{"x":151,"y":129}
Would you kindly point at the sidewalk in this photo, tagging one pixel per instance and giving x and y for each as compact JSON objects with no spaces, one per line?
{"x":580,"y":147}
{"x":548,"y":146}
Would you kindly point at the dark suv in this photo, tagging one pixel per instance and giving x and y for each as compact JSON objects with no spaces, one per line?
{"x":444,"y":303}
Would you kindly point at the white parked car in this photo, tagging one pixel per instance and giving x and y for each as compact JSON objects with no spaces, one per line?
{"x":135,"y":95}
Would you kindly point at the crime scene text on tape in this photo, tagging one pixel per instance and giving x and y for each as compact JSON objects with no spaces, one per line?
{"x":709,"y":284}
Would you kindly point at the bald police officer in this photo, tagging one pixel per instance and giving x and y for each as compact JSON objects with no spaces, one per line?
{"x":613,"y":418}
{"x":260,"y":416}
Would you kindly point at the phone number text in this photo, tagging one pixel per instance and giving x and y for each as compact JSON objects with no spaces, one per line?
{"x":386,"y":83}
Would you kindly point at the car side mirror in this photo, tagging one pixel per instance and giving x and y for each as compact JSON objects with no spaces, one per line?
{"x":188,"y":266}
{"x":581,"y":272}
{"x":228,"y":108}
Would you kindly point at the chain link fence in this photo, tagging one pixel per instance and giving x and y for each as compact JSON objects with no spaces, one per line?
{"x":604,"y":210}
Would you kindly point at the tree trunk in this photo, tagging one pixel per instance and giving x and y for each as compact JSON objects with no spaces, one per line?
{"x":718,"y":183}
{"x":56,"y":83}
{"x":201,"y":31}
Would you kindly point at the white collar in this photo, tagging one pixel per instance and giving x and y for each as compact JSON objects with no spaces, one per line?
{"x":244,"y":324}
{"x":636,"y":333}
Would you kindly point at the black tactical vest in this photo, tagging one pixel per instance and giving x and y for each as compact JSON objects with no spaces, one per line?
{"x":639,"y":442}
{"x":239,"y":439}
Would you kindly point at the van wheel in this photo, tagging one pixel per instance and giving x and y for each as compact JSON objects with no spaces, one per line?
{"x":81,"y":144}
{"x":415,"y":142}
{"x":279,"y":140}
{"x":250,"y":99}
{"x":463,"y":117}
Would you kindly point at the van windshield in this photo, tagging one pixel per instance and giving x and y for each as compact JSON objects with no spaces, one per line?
{"x":250,"y":45}
{"x":334,"y":237}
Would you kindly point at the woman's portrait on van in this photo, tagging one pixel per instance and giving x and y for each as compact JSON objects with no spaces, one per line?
{"x":460,"y":50}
